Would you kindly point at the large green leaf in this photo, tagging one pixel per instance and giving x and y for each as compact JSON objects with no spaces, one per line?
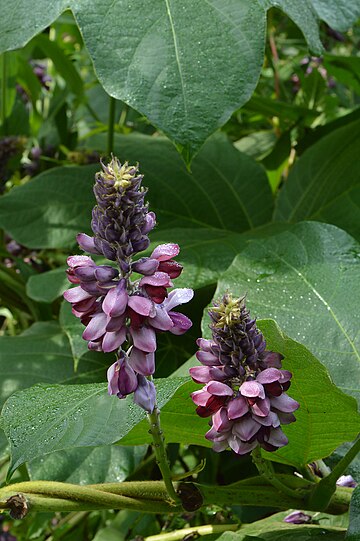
{"x":307,"y":279}
{"x":48,"y":418}
{"x":226,"y":191}
{"x":89,"y":465}
{"x":274,"y":528}
{"x":323,"y":408}
{"x":186,"y":67}
{"x":324,"y":184}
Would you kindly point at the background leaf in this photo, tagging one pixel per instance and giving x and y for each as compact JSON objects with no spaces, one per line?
{"x":44,"y":419}
{"x":307,"y":279}
{"x":324,"y":183}
{"x":353,"y":533}
{"x":90,"y":465}
{"x":160,"y":68}
{"x":51,"y":209}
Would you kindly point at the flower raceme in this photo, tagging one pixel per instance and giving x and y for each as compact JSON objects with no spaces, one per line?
{"x":121,"y":314}
{"x":245,"y":387}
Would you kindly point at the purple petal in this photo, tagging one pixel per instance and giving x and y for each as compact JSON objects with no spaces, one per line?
{"x":252,"y":389}
{"x":284,"y":403}
{"x":143,"y":363}
{"x":162,"y":321}
{"x":220,"y":446}
{"x":268,"y":375}
{"x":128,"y":381}
{"x":146,"y":266}
{"x":113,"y":378}
{"x":104,"y":273}
{"x":240,"y":447}
{"x":297,"y":517}
{"x":178,"y":296}
{"x":84,"y":306}
{"x":346,"y":481}
{"x":270,"y":420}
{"x":75,"y":261}
{"x":285,"y":376}
{"x":214,"y":435}
{"x":221,"y":422}
{"x":286,"y":418}
{"x":76,"y":294}
{"x":245,"y":428}
{"x":115,"y":323}
{"x":96,"y":327}
{"x":144,"y":338}
{"x":113,"y":340}
{"x":277,"y":438}
{"x":145,"y":394}
{"x":200,"y":398}
{"x":141,"y":305}
{"x":150,"y":221}
{"x":156,"y":279}
{"x":164,"y":252}
{"x":219,"y":389}
{"x":261,"y":407}
{"x":272,"y":359}
{"x":116,"y":299}
{"x":204,"y":344}
{"x":207,"y":358}
{"x":200,"y":374}
{"x":181,"y":323}
{"x":86,"y":243}
{"x":237,"y":407}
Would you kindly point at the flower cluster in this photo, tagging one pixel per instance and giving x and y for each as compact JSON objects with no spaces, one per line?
{"x":116,"y":310}
{"x":244,"y":390}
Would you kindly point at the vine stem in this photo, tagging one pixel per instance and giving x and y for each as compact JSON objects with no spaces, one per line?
{"x":197,"y":530}
{"x":3,"y":91}
{"x":266,"y":469}
{"x":160,"y":452}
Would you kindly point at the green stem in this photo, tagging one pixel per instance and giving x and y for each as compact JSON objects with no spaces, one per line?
{"x":323,"y":491}
{"x":111,"y":123}
{"x":123,"y":115}
{"x":266,"y":469}
{"x":160,"y":452}
{"x":195,"y":530}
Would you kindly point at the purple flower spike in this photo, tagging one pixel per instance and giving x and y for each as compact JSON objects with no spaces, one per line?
{"x":244,"y":392}
{"x":122,"y":314}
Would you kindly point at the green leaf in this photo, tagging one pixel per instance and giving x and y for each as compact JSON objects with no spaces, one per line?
{"x":323,"y":408}
{"x":275,"y":529}
{"x":48,"y":418}
{"x":73,"y":328}
{"x":226,"y":191}
{"x":89,"y":465}
{"x":324,"y":184}
{"x":353,"y":533}
{"x":187,"y":69}
{"x":47,"y":286}
{"x":307,"y":279}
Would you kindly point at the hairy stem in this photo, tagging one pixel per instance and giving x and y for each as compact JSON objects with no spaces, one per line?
{"x":160,"y":453}
{"x":266,"y":469}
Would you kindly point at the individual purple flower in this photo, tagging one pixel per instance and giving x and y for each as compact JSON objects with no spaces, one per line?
{"x":245,"y":387}
{"x":346,"y":481}
{"x":297,"y":517}
{"x":121,"y":314}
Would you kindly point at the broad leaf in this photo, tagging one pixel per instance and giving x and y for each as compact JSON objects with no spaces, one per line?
{"x":323,"y":408}
{"x":274,"y":528}
{"x":226,"y":191}
{"x":307,"y":279}
{"x":47,"y":286}
{"x":353,"y":533}
{"x":48,"y":418}
{"x":90,"y":465}
{"x":324,"y":184}
{"x":187,"y":68}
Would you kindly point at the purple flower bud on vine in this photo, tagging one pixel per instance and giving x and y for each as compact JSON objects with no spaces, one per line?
{"x":297,"y":517}
{"x":346,"y":481}
{"x":121,"y":314}
{"x":244,"y":392}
